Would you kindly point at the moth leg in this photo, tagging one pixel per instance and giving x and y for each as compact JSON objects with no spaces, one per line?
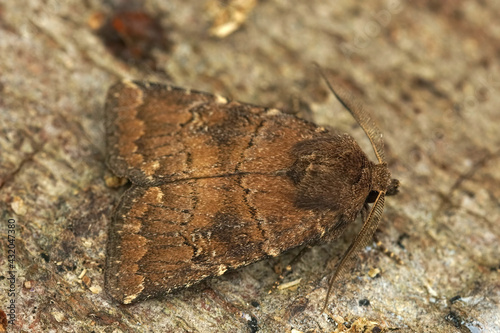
{"x":386,"y":251}
{"x":288,"y":268}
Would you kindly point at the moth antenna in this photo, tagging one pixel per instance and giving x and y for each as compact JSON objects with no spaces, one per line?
{"x":359,"y":113}
{"x":361,"y":240}
{"x":370,"y":225}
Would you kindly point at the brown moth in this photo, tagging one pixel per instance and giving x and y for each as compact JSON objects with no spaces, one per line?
{"x":218,"y":184}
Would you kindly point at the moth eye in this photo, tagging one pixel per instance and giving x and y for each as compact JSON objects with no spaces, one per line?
{"x":372,"y":196}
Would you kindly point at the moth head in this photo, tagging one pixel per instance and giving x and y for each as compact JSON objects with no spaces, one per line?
{"x":382,"y":182}
{"x":392,"y":190}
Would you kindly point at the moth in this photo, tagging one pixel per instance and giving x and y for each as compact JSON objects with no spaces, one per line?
{"x":217,"y":184}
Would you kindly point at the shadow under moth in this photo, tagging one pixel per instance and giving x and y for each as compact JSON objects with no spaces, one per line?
{"x":217,"y":184}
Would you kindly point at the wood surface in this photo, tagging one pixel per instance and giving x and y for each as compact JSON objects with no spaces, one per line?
{"x":428,"y":70}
